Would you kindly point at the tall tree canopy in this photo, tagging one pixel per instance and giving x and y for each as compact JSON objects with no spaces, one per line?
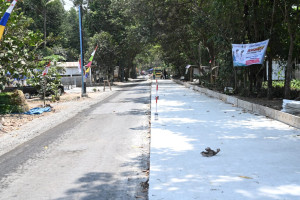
{"x":185,"y":32}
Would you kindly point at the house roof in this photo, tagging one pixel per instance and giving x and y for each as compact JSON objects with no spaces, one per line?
{"x":68,"y":64}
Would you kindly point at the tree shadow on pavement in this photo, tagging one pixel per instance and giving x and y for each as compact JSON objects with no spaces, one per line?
{"x":125,"y":185}
{"x":258,"y":159}
{"x":133,"y":112}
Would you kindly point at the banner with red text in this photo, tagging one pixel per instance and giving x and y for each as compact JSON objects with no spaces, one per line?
{"x":249,"y":54}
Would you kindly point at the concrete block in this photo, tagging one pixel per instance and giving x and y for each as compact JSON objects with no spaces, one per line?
{"x":245,"y":104}
{"x":196,"y":88}
{"x":187,"y":85}
{"x":232,"y":100}
{"x":296,"y":122}
{"x":203,"y":90}
{"x":223,"y":97}
{"x":287,"y":118}
{"x":209,"y":92}
{"x":200,"y":89}
{"x":177,"y":81}
{"x":216,"y":94}
{"x":213,"y":94}
{"x":265,"y":111}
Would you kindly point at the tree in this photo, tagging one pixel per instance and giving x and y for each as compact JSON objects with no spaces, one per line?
{"x":70,"y":35}
{"x":48,"y":16}
{"x":18,"y":48}
{"x":291,"y":14}
{"x":105,"y":58}
{"x":49,"y":83}
{"x":115,"y":18}
{"x":150,"y":57}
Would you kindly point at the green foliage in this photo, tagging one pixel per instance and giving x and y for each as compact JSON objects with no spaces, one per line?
{"x":278,"y":89}
{"x":106,"y":55}
{"x":119,"y":22}
{"x":179,"y":26}
{"x":295,"y":84}
{"x":150,"y":57}
{"x":13,"y":102}
{"x":70,"y":35}
{"x":18,"y":48}
{"x":145,"y":34}
{"x":49,"y":83}
{"x":47,"y":14}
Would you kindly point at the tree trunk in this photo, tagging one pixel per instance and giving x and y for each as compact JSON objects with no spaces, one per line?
{"x":211,"y":53}
{"x":200,"y":61}
{"x":288,"y":74}
{"x":256,"y":32}
{"x":270,"y":71}
{"x":292,"y":34}
{"x":212,"y":65}
{"x":245,"y":19}
{"x":133,"y":72}
{"x":45,"y":31}
{"x":270,"y":57}
{"x":126,"y":73}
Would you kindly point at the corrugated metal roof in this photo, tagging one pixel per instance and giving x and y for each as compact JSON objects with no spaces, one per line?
{"x":68,"y":64}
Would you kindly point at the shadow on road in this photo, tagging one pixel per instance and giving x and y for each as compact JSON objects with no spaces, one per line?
{"x":111,"y":186}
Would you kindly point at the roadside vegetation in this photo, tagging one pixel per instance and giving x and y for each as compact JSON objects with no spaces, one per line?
{"x":13,"y":102}
{"x":141,"y":34}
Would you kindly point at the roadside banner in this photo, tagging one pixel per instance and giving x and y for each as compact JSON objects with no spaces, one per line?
{"x":249,"y":54}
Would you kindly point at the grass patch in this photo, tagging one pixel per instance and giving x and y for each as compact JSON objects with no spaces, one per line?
{"x":13,"y":102}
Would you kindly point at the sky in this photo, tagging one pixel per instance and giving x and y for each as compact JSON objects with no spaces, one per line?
{"x":68,"y":4}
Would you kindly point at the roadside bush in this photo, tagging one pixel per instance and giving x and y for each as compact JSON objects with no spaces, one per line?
{"x":278,"y":92}
{"x":278,"y":89}
{"x":295,"y":84}
{"x":13,"y":102}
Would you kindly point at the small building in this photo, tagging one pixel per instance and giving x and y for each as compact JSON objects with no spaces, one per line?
{"x":72,"y":76}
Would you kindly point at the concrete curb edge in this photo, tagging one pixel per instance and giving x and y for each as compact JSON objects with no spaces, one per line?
{"x":286,"y":118}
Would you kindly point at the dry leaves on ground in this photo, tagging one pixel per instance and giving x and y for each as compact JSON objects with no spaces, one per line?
{"x":10,"y":122}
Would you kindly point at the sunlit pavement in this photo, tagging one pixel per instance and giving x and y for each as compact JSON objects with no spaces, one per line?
{"x":259,"y":157}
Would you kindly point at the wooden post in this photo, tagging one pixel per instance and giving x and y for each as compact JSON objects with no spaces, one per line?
{"x":108,"y":85}
{"x":44,"y":90}
{"x":235,"y":84}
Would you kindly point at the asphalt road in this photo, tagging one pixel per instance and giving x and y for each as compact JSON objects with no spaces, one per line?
{"x":101,"y":153}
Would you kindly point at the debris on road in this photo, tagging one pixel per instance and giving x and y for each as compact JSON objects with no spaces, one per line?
{"x":245,"y":177}
{"x":209,"y":152}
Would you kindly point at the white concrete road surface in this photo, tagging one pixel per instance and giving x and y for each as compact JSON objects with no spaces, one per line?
{"x":259,"y":158}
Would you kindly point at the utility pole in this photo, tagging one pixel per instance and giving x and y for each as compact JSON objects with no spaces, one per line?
{"x":83,"y":88}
